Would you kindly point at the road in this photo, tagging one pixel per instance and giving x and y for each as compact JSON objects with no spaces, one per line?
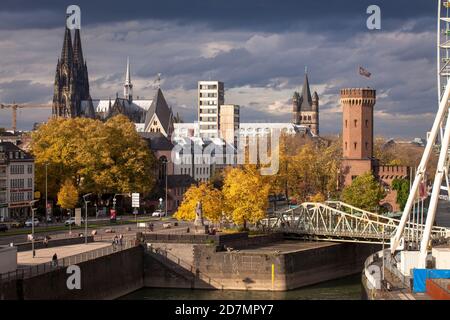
{"x":128,"y":228}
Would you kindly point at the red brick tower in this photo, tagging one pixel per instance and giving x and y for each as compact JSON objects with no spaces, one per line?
{"x":357,"y":132}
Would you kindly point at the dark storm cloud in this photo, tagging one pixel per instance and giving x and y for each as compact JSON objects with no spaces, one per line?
{"x":273,"y":15}
{"x":259,"y":49}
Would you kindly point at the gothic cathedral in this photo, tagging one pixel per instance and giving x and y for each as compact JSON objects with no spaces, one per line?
{"x":306,"y":108}
{"x":71,"y":81}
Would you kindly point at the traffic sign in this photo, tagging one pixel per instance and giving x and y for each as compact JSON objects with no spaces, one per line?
{"x":135,"y":200}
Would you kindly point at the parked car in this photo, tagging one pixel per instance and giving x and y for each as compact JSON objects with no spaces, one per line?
{"x":3,"y":227}
{"x":49,"y":219}
{"x":71,"y":221}
{"x":29,"y":222}
{"x":158,"y":213}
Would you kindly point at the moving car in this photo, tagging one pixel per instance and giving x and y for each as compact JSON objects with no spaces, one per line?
{"x":71,"y":221}
{"x":158,"y":213}
{"x":30,"y":223}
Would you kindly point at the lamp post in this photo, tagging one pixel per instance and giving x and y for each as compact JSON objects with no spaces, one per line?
{"x":46,"y":194}
{"x":86,"y":216}
{"x":32,"y":225}
{"x":166,"y":162}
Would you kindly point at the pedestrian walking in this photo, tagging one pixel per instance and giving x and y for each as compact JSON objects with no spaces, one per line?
{"x":45,"y":241}
{"x":55,"y":260}
{"x":121,"y":240}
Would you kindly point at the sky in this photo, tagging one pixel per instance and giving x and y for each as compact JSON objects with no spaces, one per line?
{"x":258,"y":48}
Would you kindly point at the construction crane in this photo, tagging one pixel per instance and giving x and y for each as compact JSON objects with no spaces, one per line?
{"x":15,"y":106}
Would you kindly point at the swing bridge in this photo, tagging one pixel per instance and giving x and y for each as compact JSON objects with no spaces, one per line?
{"x":341,"y":222}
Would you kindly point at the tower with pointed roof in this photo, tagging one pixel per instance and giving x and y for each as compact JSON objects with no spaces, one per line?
{"x":72,"y":81}
{"x":306,"y":107}
{"x":128,"y":86}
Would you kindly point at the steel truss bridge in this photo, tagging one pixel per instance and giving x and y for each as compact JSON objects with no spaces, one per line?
{"x":338,"y":221}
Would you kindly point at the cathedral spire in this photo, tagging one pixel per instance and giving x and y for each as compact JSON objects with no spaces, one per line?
{"x":128,"y":86}
{"x":67,"y":50}
{"x":77,"y":50}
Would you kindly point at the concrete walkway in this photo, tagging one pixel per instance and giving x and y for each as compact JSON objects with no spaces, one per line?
{"x":45,"y":255}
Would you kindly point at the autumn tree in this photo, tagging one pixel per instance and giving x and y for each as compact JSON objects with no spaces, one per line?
{"x":98,"y":157}
{"x":68,"y":195}
{"x":211,"y":199}
{"x":365,"y":192}
{"x":245,"y":195}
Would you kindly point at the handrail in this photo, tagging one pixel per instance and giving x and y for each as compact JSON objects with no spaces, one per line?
{"x":38,"y":269}
{"x":180,"y":262}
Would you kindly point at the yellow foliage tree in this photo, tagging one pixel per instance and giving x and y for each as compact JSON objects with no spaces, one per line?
{"x":245,"y":195}
{"x":318,"y":197}
{"x":68,"y":195}
{"x":211,"y":199}
{"x":98,"y":157}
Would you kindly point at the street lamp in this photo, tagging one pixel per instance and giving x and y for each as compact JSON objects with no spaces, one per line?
{"x":46,"y":194}
{"x":86,"y":217}
{"x":165,"y":161}
{"x":32,"y":202}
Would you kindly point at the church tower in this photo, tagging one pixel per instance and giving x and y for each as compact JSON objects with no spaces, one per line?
{"x":306,"y":107}
{"x":71,"y":96}
{"x":128,"y":86}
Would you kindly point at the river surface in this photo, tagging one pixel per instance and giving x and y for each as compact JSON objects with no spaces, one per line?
{"x":348,"y":288}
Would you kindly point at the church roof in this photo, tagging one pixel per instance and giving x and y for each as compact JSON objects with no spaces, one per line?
{"x":306,"y":99}
{"x":161,"y":109}
{"x":157,"y":141}
{"x":104,"y":105}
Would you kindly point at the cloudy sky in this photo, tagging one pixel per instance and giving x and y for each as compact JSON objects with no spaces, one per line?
{"x":259,"y":48}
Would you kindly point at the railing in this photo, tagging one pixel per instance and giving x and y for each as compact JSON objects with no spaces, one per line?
{"x":159,"y":253}
{"x":341,"y":222}
{"x":38,"y":269}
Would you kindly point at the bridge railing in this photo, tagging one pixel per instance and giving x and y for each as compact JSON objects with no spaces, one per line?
{"x":323,"y":219}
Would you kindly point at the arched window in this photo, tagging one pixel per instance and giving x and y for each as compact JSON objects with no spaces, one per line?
{"x":356,"y":123}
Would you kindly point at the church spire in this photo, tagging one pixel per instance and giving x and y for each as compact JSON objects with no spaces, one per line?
{"x":306,"y":92}
{"x":77,"y":50}
{"x":128,"y":86}
{"x":67,"y":50}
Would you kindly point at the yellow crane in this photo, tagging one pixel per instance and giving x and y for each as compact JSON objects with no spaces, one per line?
{"x":15,"y":106}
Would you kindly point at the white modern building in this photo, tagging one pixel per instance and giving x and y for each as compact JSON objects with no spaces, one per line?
{"x":211,"y":95}
{"x":16,"y":181}
{"x":201,"y":157}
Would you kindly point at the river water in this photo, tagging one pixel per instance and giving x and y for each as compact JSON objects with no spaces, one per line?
{"x":348,"y":288}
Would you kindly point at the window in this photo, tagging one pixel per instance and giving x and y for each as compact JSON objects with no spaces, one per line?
{"x":30,"y":183}
{"x":355,"y":144}
{"x":356,"y":123}
{"x":367,"y":146}
{"x":367,"y":123}
{"x":346,"y":123}
{"x":346,"y":146}
{"x":30,"y":169}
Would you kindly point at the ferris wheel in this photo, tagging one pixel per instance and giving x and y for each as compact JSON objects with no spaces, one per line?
{"x":441,"y":127}
{"x":443,"y":69}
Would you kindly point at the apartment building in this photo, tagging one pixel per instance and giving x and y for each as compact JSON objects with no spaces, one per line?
{"x":229,"y":123}
{"x":211,"y":96}
{"x":16,"y":181}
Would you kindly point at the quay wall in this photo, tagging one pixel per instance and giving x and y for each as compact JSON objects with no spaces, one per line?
{"x":252,"y":269}
{"x":107,"y":277}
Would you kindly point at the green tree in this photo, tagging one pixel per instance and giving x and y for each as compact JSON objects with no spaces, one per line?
{"x":365,"y":192}
{"x":402,"y":188}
